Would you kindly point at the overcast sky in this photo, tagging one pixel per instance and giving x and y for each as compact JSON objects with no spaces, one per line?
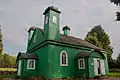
{"x":16,"y":16}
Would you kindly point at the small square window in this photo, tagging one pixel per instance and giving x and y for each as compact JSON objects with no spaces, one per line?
{"x":31,"y":64}
{"x":54,"y":19}
{"x":81,"y":64}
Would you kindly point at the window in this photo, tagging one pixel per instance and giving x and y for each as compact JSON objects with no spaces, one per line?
{"x":31,"y":64}
{"x":63,"y":59}
{"x":81,"y":64}
{"x":54,"y":19}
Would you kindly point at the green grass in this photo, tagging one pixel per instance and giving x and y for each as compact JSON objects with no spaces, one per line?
{"x":7,"y":76}
{"x":114,"y":74}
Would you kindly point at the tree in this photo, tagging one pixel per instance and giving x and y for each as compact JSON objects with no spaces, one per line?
{"x":6,"y":60}
{"x":118,"y":58}
{"x":1,"y":48}
{"x":98,"y":37}
{"x":1,"y":60}
{"x":12,"y":62}
{"x":117,"y":3}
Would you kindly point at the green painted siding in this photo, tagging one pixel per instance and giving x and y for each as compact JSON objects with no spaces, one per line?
{"x":40,"y":38}
{"x":82,"y":72}
{"x":42,"y":64}
{"x":27,"y":72}
{"x":51,"y":29}
{"x":91,"y":63}
{"x":91,"y":67}
{"x":106,"y":64}
{"x":58,"y":71}
{"x":96,"y":55}
{"x":48,"y":64}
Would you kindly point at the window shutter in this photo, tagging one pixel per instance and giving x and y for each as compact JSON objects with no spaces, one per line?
{"x":95,"y":67}
{"x":102,"y":66}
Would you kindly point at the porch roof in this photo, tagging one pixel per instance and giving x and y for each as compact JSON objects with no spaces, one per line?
{"x":83,"y":54}
{"x":27,"y":56}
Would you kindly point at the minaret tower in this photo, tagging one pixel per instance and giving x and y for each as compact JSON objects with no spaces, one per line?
{"x":52,"y":23}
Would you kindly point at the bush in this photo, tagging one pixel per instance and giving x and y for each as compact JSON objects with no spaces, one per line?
{"x":114,"y":70}
{"x":114,"y":74}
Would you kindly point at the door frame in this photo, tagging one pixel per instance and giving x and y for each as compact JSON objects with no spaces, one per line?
{"x":102,"y":66}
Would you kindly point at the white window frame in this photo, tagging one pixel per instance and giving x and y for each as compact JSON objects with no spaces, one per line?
{"x":61,"y":59}
{"x":28,"y":63}
{"x":79,"y":60}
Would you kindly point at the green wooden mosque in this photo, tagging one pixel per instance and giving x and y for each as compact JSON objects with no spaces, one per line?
{"x":54,"y":55}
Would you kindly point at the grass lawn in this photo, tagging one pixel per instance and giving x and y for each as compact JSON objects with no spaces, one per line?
{"x":7,"y":76}
{"x":114,"y":74}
